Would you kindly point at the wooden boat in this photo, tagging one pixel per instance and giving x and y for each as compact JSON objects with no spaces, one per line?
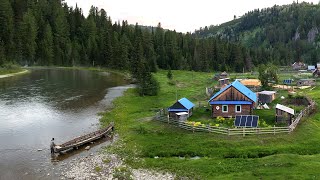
{"x":75,"y":143}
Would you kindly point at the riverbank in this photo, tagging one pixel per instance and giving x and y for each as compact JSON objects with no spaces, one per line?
{"x":10,"y":73}
{"x":106,"y":165}
{"x":153,"y":145}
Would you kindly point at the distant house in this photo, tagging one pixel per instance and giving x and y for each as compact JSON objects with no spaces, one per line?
{"x":222,"y":75}
{"x":234,"y":99}
{"x":266,"y":96}
{"x":253,"y":84}
{"x":284,"y":114}
{"x":224,"y":81}
{"x":311,"y":68}
{"x":306,"y":82}
{"x":181,"y":107}
{"x":299,"y":66}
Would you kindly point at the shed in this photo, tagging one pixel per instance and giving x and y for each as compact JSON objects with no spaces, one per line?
{"x":182,"y":105}
{"x":284,"y":114}
{"x":306,"y":82}
{"x":266,"y":96}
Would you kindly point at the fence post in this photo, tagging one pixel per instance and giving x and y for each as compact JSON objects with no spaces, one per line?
{"x":193,"y":129}
{"x":228,"y":132}
{"x":274,"y":129}
{"x":168,"y":118}
{"x":244,"y":132}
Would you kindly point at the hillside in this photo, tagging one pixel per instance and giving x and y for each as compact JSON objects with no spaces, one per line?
{"x":289,"y":33}
{"x":50,"y":33}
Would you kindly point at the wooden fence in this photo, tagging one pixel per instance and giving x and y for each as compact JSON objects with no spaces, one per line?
{"x":309,"y":109}
{"x":163,"y":117}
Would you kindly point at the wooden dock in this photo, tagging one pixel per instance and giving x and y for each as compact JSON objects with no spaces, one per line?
{"x":75,"y":143}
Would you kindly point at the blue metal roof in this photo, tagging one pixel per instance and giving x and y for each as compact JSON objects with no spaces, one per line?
{"x":240,"y":87}
{"x":230,"y":102}
{"x":186,"y":103}
{"x":177,"y":110}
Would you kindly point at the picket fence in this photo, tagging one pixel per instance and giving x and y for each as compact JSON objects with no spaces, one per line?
{"x":163,"y":117}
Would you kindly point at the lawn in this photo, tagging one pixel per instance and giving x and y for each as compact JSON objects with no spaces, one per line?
{"x":283,"y":156}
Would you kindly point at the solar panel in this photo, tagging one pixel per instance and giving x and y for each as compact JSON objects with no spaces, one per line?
{"x":246,"y":121}
{"x":243,"y":121}
{"x":237,"y":121}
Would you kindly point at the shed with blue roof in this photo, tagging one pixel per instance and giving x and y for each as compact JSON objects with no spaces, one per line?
{"x":234,"y":99}
{"x":182,"y":105}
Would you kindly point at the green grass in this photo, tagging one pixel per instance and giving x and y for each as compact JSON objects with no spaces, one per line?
{"x":284,"y":156}
{"x":4,"y":71}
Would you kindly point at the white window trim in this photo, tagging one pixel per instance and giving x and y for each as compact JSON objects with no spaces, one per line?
{"x":223,"y":108}
{"x":240,"y":109}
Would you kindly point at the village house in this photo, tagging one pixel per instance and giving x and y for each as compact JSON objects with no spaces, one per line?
{"x":284,"y":114}
{"x":234,"y":99}
{"x":224,"y":81}
{"x":253,"y":84}
{"x":222,"y":75}
{"x":306,"y":82}
{"x":183,"y":107}
{"x":298,"y":66}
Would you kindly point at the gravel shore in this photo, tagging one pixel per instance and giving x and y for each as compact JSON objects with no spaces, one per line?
{"x":106,"y":166}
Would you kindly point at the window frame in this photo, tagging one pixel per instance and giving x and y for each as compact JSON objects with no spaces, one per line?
{"x":223,"y":108}
{"x":236,"y":110}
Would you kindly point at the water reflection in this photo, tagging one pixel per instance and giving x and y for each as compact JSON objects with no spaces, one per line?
{"x":48,"y":103}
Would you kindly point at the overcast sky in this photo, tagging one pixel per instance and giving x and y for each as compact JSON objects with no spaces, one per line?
{"x":181,"y":15}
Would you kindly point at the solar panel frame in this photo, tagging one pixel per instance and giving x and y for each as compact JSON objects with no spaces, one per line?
{"x":246,"y":121}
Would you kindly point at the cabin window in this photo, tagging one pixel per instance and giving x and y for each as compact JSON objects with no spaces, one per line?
{"x":238,"y":108}
{"x":224,"y":108}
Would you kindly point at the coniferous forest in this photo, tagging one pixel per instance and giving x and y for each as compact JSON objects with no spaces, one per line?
{"x":287,"y":33}
{"x":45,"y":32}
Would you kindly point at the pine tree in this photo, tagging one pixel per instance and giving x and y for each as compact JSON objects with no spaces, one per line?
{"x":46,"y":47}
{"x":6,"y":27}
{"x":28,"y":32}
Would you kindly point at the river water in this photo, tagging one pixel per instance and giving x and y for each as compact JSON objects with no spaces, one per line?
{"x":48,"y":103}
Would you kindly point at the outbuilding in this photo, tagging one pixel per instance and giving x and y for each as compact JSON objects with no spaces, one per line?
{"x":306,"y":82}
{"x":266,"y":96}
{"x":183,"y":107}
{"x":284,"y":114}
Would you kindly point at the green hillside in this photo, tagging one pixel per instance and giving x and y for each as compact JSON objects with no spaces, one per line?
{"x":289,"y":33}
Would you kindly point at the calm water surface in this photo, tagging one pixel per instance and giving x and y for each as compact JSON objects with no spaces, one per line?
{"x":48,"y":103}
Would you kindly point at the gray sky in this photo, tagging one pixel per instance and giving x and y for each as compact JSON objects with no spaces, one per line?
{"x":181,"y":15}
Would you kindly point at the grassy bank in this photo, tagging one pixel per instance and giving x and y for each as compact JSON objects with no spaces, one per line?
{"x":10,"y":69}
{"x":149,"y":144}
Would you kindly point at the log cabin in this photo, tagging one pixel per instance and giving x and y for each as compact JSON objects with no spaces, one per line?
{"x":234,"y":99}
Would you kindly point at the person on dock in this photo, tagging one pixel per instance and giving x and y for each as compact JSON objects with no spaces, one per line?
{"x":52,"y":144}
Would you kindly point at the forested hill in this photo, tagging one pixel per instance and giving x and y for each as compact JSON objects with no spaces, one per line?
{"x":289,"y":33}
{"x":48,"y":32}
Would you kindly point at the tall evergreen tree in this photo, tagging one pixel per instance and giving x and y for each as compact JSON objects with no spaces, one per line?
{"x":28,"y":32}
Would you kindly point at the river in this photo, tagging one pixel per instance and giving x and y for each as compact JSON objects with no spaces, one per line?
{"x":47,"y":103}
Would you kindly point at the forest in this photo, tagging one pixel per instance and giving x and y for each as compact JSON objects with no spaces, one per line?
{"x":50,"y":33}
{"x":286,"y":33}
